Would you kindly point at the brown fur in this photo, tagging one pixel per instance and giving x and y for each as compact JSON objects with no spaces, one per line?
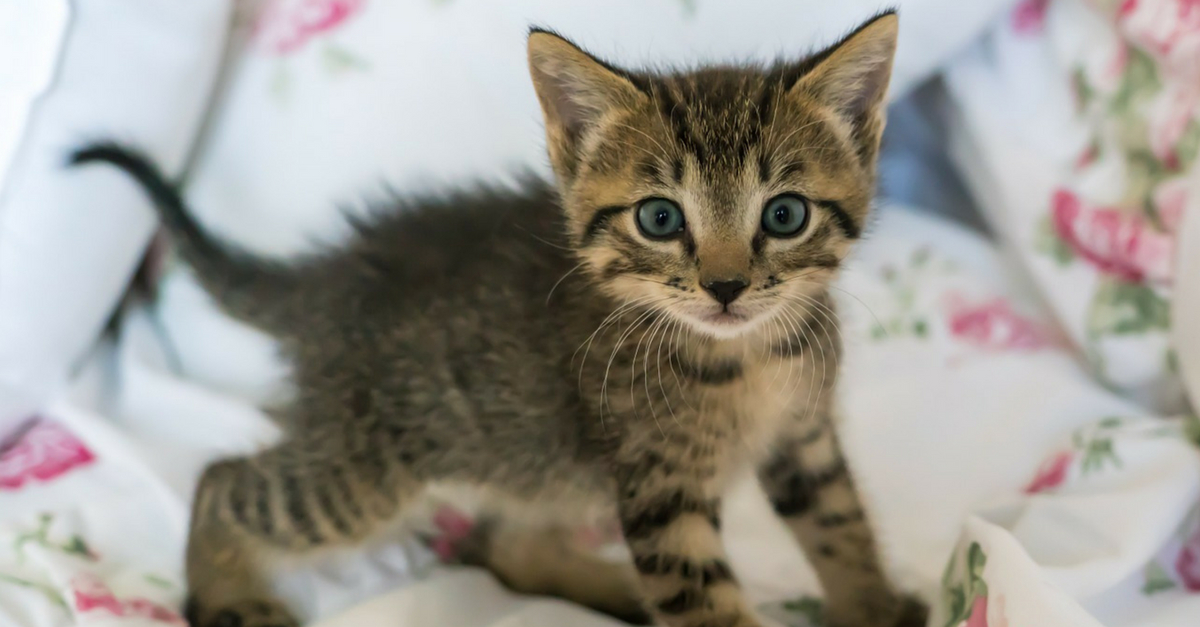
{"x":536,"y":344}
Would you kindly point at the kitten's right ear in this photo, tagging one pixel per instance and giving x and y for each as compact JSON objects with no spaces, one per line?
{"x":574,"y":88}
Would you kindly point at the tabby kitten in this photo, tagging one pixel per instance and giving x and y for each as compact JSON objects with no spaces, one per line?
{"x":621,"y":344}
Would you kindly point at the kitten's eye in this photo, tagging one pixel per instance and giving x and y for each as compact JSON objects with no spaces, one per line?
{"x":659,"y":219}
{"x":785,"y":216}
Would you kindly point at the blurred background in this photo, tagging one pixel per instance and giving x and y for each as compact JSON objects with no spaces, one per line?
{"x":1020,"y":323}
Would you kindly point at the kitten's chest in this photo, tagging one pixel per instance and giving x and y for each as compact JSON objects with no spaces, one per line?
{"x":770,"y":396}
{"x":741,"y":419}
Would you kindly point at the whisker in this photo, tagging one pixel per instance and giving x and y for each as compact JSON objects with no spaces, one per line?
{"x":676,"y":341}
{"x":608,"y":320}
{"x":864,"y":304}
{"x":608,"y":368}
{"x":658,"y":363}
{"x":544,"y":241}
{"x":788,"y":317}
{"x":646,"y":279}
{"x":561,"y":279}
{"x":808,"y":363}
{"x":826,"y":314}
{"x":659,"y":324}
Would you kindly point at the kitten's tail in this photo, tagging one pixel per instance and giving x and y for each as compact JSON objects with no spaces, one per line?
{"x":256,"y":290}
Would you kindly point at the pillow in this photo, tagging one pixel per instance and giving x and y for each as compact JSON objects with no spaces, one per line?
{"x":70,"y":240}
{"x":30,"y":30}
{"x":331,"y":98}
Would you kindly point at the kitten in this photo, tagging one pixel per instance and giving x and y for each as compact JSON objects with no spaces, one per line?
{"x":624,"y":342}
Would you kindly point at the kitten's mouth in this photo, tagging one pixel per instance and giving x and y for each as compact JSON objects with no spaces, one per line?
{"x":722,"y":324}
{"x":724,"y":318}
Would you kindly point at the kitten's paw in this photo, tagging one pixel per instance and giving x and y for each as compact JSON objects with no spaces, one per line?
{"x":883,"y":610}
{"x":913,"y":613}
{"x":248,"y":613}
{"x":633,"y":614}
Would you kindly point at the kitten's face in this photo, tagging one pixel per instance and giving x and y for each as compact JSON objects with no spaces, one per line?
{"x":723,"y":197}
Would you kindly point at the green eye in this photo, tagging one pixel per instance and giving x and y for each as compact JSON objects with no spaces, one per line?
{"x":785,"y":216}
{"x":659,"y":219}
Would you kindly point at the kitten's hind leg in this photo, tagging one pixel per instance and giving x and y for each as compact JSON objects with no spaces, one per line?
{"x":547,"y":560}
{"x":288,"y":501}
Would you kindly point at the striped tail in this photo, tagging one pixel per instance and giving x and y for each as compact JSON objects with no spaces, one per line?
{"x":257,"y":290}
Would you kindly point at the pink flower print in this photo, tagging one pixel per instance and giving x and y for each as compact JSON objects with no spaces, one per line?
{"x":44,"y":452}
{"x":454,"y":528}
{"x":285,"y":26}
{"x":1051,"y":474}
{"x":1088,"y":156}
{"x":1029,"y":16}
{"x":978,"y":617}
{"x":1187,"y":565}
{"x":1170,"y":198}
{"x":995,"y":325}
{"x":145,"y":608}
{"x":1168,"y":117}
{"x":1168,"y":29}
{"x":1113,"y":242}
{"x":91,"y":595}
{"x":1117,"y":64}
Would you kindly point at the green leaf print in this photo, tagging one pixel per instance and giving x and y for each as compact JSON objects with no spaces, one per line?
{"x":1047,"y":242}
{"x":1083,"y":89}
{"x":1095,"y":443}
{"x":1191,"y":426}
{"x":906,"y":318}
{"x":1121,"y":308}
{"x":958,"y":605}
{"x":76,"y":546}
{"x":338,"y":60}
{"x":40,"y":536}
{"x":1139,"y":83}
{"x":1189,"y":144}
{"x":281,"y":83}
{"x":1157,"y":579}
{"x":976,"y":560}
{"x":158,"y":581}
{"x":811,"y":608}
{"x":49,"y":592}
{"x":805,"y":611}
{"x":1143,"y":173}
{"x":959,"y":594}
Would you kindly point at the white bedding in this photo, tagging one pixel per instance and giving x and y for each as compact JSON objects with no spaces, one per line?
{"x":956,"y":390}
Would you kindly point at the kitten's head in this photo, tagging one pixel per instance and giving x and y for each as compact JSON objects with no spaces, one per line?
{"x":722,"y":196}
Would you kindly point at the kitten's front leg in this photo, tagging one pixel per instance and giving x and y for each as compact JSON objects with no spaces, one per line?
{"x":810,"y":486}
{"x":671,"y":525}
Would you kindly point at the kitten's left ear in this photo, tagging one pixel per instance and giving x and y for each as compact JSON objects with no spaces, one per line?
{"x":852,"y":76}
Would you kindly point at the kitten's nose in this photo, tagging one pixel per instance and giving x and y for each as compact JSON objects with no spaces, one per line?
{"x":725,"y":291}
